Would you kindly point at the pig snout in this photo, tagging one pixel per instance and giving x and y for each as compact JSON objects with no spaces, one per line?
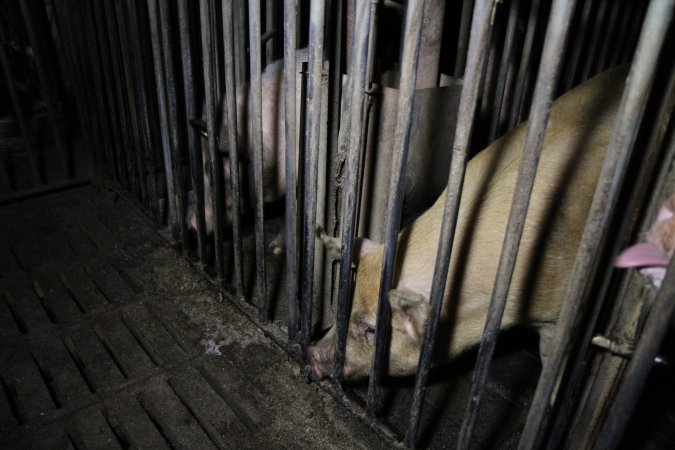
{"x":319,"y":362}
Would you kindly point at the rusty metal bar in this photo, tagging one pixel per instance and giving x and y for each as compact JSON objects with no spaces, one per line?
{"x":409,"y":68}
{"x":257,"y":150}
{"x":208,"y":55}
{"x":505,"y":66}
{"x":549,"y":72}
{"x":525,"y":61}
{"x":139,"y":62}
{"x":193,"y":138}
{"x":655,"y":329}
{"x":233,"y":143}
{"x":175,"y":131}
{"x":632,"y":106}
{"x":291,"y":222}
{"x":317,"y":16}
{"x":477,"y":52}
{"x":357,"y":89}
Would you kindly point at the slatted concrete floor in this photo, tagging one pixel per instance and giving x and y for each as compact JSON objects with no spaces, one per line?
{"x":108,"y":339}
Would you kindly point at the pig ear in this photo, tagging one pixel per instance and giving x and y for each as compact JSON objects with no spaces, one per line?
{"x":641,"y":255}
{"x":410,"y":311}
{"x":333,"y":245}
{"x":200,"y":126}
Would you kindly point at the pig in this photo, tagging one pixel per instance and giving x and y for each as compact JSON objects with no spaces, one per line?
{"x":653,"y":256}
{"x":576,"y":140}
{"x":273,"y":140}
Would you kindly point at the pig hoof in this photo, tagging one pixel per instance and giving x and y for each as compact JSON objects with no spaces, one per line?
{"x":278,"y":243}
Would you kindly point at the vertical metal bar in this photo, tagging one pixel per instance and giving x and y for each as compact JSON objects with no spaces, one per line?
{"x":119,"y":89}
{"x":240,"y":44}
{"x":232,"y":120}
{"x":554,"y":46}
{"x":598,"y":28}
{"x":632,"y":107}
{"x":271,"y":21}
{"x":357,"y":89}
{"x":628,"y":14}
{"x":193,"y":138}
{"x":317,"y":16}
{"x":36,"y":176}
{"x":463,"y":38}
{"x":610,"y":37}
{"x":172,"y":120}
{"x":525,"y":62}
{"x":208,"y":54}
{"x":46,"y":87}
{"x":86,"y":19}
{"x":478,"y":47}
{"x":72,"y":66}
{"x":505,"y":66}
{"x":406,"y":96}
{"x":160,"y":85}
{"x":655,"y":329}
{"x":104,"y":59}
{"x":139,"y":62}
{"x":82,"y":62}
{"x":290,"y":44}
{"x":120,"y":25}
{"x":578,"y":42}
{"x":256,"y":116}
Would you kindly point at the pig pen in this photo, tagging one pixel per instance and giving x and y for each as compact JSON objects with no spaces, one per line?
{"x":123,"y":327}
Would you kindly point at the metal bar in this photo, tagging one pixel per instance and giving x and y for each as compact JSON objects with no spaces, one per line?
{"x":487,"y":90}
{"x":271,"y":21}
{"x":505,"y":66}
{"x":37,"y":177}
{"x":232,"y":119}
{"x":632,"y":106}
{"x":104,"y":60}
{"x":575,"y":56}
{"x":208,"y":55}
{"x":525,"y":62}
{"x":291,"y":223}
{"x":638,"y":197}
{"x":172,"y":119}
{"x":629,"y":49}
{"x":463,"y":38}
{"x":256,"y":116}
{"x":598,"y":27}
{"x":163,"y":99}
{"x":120,"y":26}
{"x":477,"y":52}
{"x":549,"y":72}
{"x":46,"y":86}
{"x":139,"y":63}
{"x":119,"y":89}
{"x":87,"y":22}
{"x":628,"y":14}
{"x":240,"y":44}
{"x":357,"y":88}
{"x":610,"y":37}
{"x":406,"y":97}
{"x":72,"y":65}
{"x":317,"y":15}
{"x":193,"y":138}
{"x":640,"y":365}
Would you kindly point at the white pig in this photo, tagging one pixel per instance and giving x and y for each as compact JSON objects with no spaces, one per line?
{"x":576,"y":140}
{"x":273,"y":141}
{"x":654,"y":255}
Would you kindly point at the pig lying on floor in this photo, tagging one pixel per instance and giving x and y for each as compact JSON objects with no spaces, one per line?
{"x":654,"y":255}
{"x":576,"y":140}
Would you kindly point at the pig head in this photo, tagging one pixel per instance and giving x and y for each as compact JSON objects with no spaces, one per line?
{"x":576,"y":139}
{"x":653,"y":256}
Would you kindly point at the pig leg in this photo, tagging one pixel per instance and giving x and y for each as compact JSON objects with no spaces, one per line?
{"x":333,"y":245}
